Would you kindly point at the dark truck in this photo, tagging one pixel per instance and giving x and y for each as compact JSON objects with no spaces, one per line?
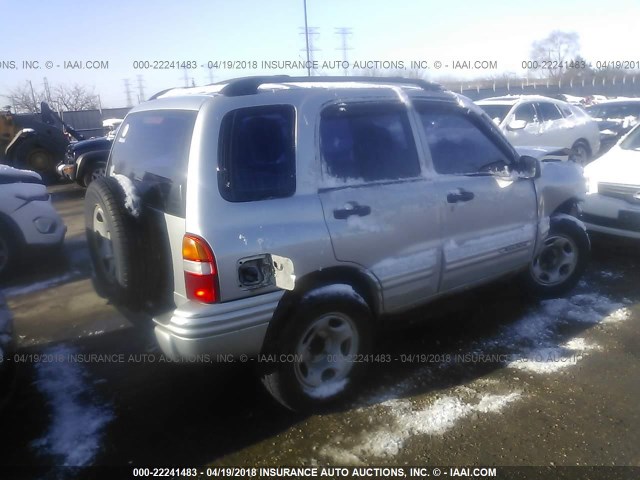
{"x":86,"y":160}
{"x":35,"y":141}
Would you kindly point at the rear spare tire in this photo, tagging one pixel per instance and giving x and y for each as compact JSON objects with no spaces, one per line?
{"x":112,"y":236}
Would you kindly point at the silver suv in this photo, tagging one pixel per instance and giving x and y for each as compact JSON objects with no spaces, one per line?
{"x":286,"y":218}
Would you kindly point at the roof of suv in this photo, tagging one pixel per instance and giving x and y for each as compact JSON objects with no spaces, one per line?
{"x":513,"y":99}
{"x":192,"y":98}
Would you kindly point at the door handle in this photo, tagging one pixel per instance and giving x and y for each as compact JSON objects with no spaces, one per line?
{"x":351,"y":208}
{"x":460,"y":196}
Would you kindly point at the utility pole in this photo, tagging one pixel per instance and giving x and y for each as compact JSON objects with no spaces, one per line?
{"x":306,"y":37}
{"x":33,"y":96}
{"x":186,"y":77}
{"x":309,"y":32}
{"x":211,"y":77}
{"x":127,"y":91}
{"x":344,"y":32}
{"x":141,"y":97}
{"x":47,"y":91}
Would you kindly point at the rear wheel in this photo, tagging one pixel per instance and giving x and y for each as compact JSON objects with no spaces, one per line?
{"x":580,"y":153}
{"x":316,"y":364}
{"x":30,"y":156}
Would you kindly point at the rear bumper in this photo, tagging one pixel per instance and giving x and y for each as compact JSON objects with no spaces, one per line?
{"x":232,"y":328}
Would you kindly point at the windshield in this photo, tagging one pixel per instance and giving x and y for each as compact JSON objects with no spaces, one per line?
{"x":632,"y":140}
{"x":496,"y":112}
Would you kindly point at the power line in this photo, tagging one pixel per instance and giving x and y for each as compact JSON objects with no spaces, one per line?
{"x":344,"y":32}
{"x":127,"y":91}
{"x":309,"y":33}
{"x":141,"y":97}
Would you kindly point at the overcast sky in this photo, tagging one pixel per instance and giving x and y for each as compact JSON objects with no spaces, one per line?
{"x":123,"y":31}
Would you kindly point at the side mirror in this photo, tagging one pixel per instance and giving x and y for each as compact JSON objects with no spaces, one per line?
{"x":517,"y":125}
{"x":528,"y":167}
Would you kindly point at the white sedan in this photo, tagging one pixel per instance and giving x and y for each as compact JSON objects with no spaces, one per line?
{"x":28,"y":220}
{"x":612,"y":205}
{"x":530,"y":120}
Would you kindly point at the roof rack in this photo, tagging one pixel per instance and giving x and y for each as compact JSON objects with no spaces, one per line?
{"x":249,"y":85}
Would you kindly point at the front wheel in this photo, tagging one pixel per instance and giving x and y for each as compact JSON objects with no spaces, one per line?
{"x":94,"y":172}
{"x":561,"y":261}
{"x":320,"y":358}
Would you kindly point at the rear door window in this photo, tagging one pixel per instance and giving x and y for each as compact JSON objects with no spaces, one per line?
{"x":152,"y":149}
{"x":368,"y":142}
{"x":257,"y":158}
{"x":549,"y":111}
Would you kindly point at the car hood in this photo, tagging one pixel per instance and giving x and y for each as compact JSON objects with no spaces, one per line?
{"x":100,"y":143}
{"x":616,"y":166}
{"x":543,"y":153}
{"x":13,"y":175}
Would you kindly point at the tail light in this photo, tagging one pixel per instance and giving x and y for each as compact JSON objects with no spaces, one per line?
{"x":200,"y":273}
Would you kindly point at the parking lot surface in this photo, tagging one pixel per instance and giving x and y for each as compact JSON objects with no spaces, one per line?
{"x":494,"y":379}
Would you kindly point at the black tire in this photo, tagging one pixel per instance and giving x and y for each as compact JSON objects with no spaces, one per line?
{"x":112,"y":235}
{"x":31,"y":156}
{"x":581,"y":153}
{"x":9,"y":249}
{"x":92,"y":173}
{"x":567,"y":249}
{"x":287,"y":380}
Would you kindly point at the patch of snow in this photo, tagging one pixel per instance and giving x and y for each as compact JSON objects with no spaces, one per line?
{"x":42,"y":285}
{"x":329,"y":181}
{"x":435,"y":419}
{"x":363,"y":224}
{"x":610,"y":275}
{"x":131,"y":198}
{"x":545,"y":360}
{"x":580,"y":345}
{"x":78,"y":420}
{"x":412,"y":262}
{"x":619,"y":315}
{"x":338,"y":289}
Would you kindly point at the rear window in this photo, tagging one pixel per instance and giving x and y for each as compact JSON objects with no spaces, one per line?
{"x":257,"y":157}
{"x":152,"y":149}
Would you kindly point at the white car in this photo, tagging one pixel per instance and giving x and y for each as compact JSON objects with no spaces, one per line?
{"x":531,"y":120}
{"x":28,"y":220}
{"x":612,"y":205}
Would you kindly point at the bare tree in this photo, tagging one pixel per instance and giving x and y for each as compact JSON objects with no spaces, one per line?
{"x":74,"y":97}
{"x":552,"y":52}
{"x":25,"y":98}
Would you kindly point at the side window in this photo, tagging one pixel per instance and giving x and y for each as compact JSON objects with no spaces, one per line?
{"x":525,"y":112}
{"x":566,"y":111}
{"x":368,"y":142}
{"x":256,"y":159}
{"x":458,"y":145}
{"x":549,"y":111}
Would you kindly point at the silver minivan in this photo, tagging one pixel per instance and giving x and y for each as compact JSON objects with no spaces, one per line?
{"x":285,"y":219}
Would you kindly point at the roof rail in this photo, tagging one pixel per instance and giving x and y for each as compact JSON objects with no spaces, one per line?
{"x":249,"y":85}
